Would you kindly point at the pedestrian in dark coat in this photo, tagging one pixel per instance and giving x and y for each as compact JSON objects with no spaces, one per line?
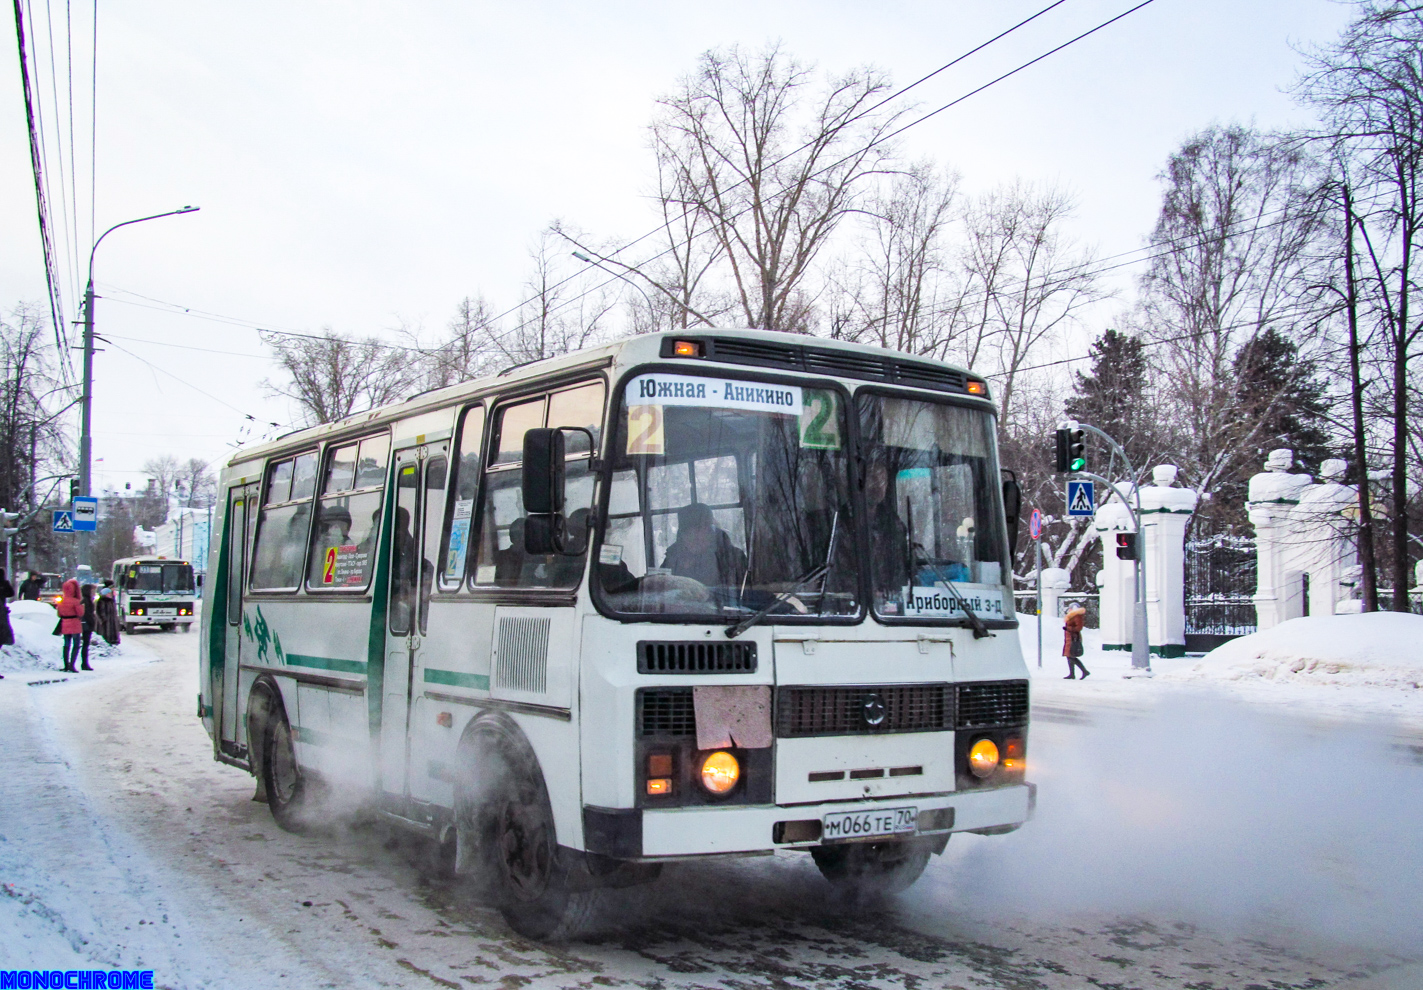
{"x":71,"y":622}
{"x":7,"y":591}
{"x":1072,"y":642}
{"x":90,"y":620}
{"x":30,"y":587}
{"x":107,"y":612}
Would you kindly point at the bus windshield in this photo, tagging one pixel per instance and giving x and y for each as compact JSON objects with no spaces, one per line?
{"x":728,"y":496}
{"x":161,"y":578}
{"x":933,"y":504}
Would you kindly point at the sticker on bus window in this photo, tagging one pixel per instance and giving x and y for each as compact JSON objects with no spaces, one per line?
{"x":646,"y":434}
{"x":459,"y":540}
{"x":820,"y":420}
{"x":715,"y":393}
{"x":938,"y":602}
{"x":345,"y":566}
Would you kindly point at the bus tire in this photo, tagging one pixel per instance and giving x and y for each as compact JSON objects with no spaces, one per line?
{"x":282,"y":778}
{"x":506,"y":839}
{"x":871,"y":869}
{"x":128,"y":628}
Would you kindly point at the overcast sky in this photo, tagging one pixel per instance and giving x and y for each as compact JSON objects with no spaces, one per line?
{"x":364,"y":165}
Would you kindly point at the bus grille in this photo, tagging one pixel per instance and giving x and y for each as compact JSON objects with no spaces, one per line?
{"x":666,"y":712}
{"x":988,"y":703}
{"x":696,"y":658}
{"x":522,"y":661}
{"x":840,"y":711}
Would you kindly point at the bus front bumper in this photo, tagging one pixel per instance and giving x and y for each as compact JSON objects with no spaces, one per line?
{"x":709,"y":831}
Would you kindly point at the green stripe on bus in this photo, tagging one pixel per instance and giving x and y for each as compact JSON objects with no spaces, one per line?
{"x":479,"y":682}
{"x":325,"y":740}
{"x":326,"y":663}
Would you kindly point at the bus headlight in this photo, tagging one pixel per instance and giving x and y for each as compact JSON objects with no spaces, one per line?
{"x":983,"y":757}
{"x":720,"y":772}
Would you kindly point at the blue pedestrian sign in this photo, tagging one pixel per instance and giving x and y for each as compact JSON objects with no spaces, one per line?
{"x":63,"y":521}
{"x":1081,"y":500}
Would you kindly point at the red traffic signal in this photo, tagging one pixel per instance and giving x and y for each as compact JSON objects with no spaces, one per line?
{"x":1126,"y":546}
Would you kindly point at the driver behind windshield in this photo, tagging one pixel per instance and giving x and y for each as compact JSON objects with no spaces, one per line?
{"x":703,"y":550}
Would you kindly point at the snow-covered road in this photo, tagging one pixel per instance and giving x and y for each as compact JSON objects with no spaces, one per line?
{"x":1196,"y":846}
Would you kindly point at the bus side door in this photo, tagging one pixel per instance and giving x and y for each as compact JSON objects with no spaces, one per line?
{"x":242,"y":504}
{"x":415,"y":534}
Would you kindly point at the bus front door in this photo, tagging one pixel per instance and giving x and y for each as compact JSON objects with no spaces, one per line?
{"x":241,"y":508}
{"x":419,"y":501}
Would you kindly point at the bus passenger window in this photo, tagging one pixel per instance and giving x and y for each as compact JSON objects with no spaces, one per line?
{"x":432,"y":512}
{"x":343,"y":543}
{"x":282,"y":525}
{"x":466,"y":468}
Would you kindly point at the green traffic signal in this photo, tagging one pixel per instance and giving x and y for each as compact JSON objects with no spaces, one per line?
{"x":1079,"y":464}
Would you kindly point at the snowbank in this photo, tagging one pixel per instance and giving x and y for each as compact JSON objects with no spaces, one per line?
{"x":36,"y":647}
{"x":1373,"y":650}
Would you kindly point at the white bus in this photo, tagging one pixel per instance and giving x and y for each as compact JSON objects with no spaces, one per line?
{"x":683,"y":595}
{"x":154,"y":591}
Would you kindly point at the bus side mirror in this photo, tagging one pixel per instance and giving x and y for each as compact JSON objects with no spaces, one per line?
{"x":1012,"y":510}
{"x":543,"y":472}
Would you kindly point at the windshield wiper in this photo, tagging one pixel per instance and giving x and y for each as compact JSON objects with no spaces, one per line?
{"x":819,"y":571}
{"x":979,"y":629}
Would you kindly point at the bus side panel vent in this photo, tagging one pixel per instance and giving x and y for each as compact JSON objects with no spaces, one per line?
{"x":695,"y":658}
{"x":666,"y":712}
{"x":522,"y":661}
{"x":989,"y":703}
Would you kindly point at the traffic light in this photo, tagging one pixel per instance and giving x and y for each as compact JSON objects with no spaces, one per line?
{"x":21,"y":548}
{"x":1126,"y":546}
{"x":7,"y":523}
{"x":1071,"y":450}
{"x":73,"y":489}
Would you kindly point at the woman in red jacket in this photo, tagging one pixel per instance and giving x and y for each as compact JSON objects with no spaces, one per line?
{"x":71,"y":622}
{"x":1072,"y":642}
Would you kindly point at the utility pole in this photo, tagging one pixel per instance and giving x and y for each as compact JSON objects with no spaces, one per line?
{"x":86,"y":412}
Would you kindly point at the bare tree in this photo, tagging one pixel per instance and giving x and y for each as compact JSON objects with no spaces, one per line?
{"x":194,"y":484}
{"x":330,"y":377}
{"x":1023,"y":282}
{"x":1369,"y":88}
{"x":464,"y":353}
{"x":894,"y":291}
{"x":769,"y":168}
{"x":31,"y":404}
{"x":1238,"y":244}
{"x":554,"y":319}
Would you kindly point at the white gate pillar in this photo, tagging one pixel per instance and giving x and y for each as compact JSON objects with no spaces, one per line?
{"x":1116,"y":584}
{"x":1165,"y":513}
{"x":1270,"y":500}
{"x":1056,"y":581}
{"x":1323,"y":545}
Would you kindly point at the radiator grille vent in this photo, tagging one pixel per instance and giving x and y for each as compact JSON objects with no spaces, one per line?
{"x":696,"y":658}
{"x":839,"y":711}
{"x":522,"y":661}
{"x":991,"y":703}
{"x":666,"y":712}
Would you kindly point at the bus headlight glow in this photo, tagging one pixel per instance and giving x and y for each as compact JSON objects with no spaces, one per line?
{"x":983,"y":757}
{"x":720,"y":772}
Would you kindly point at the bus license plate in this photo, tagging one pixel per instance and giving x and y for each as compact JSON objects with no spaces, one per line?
{"x":859,"y":824}
{"x":162,"y":611}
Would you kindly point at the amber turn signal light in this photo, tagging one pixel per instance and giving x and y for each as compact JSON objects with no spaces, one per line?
{"x":720,"y":772}
{"x":659,"y":785}
{"x":687,"y":348}
{"x":983,"y":757}
{"x":976,"y":388}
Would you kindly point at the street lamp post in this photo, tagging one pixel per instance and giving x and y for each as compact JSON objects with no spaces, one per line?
{"x":86,"y":438}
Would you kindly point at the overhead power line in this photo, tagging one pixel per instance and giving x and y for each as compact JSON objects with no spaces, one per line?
{"x":56,"y":304}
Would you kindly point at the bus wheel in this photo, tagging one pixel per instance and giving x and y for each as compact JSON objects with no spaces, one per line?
{"x":128,"y":628}
{"x":286,"y":790}
{"x":506,"y":834}
{"x":872,"y":869}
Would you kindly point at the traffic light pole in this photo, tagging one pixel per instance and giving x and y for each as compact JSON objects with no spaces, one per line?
{"x":1140,"y":644}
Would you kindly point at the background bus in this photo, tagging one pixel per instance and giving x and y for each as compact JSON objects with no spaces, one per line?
{"x":154,"y":591}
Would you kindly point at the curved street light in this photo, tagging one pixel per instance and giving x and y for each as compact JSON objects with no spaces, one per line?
{"x":86,"y":439}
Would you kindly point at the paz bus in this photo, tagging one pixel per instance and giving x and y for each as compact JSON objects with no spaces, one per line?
{"x":683,"y":595}
{"x":154,"y":591}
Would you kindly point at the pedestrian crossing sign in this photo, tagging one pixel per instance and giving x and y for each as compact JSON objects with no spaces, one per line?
{"x":63,"y":521}
{"x":1081,"y":499}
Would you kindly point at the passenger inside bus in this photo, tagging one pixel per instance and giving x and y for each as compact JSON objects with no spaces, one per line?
{"x":703,"y":550}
